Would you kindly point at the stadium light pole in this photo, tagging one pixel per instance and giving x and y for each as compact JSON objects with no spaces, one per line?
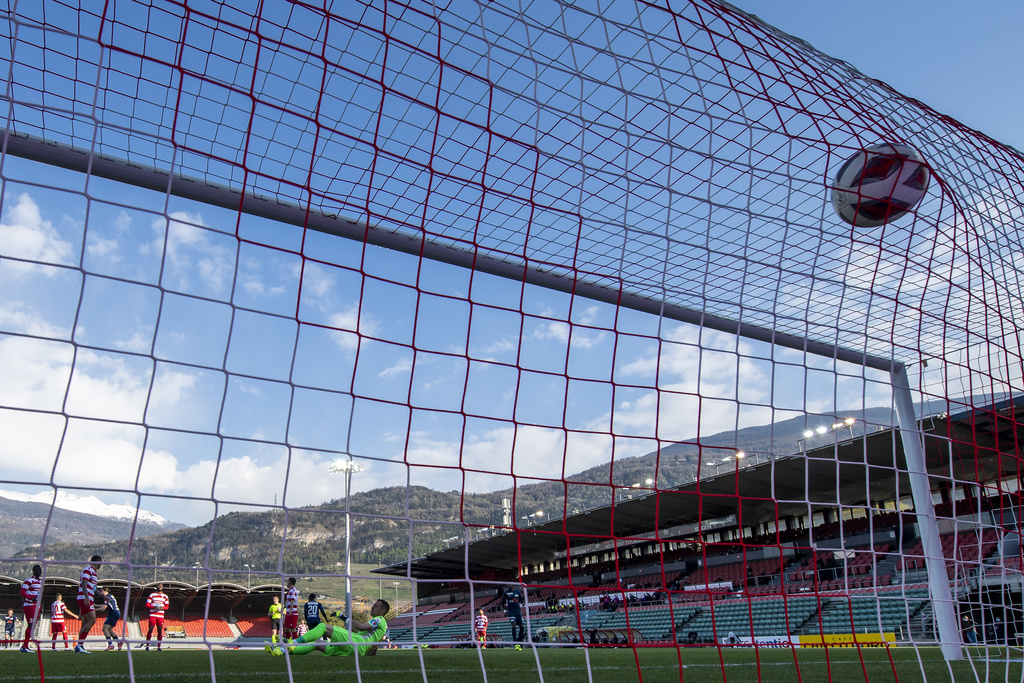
{"x":248,"y":577}
{"x":808,"y":433}
{"x":196,"y":566}
{"x":348,"y":468}
{"x":396,"y":585}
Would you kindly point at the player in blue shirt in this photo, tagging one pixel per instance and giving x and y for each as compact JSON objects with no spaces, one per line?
{"x":314,"y":611}
{"x":10,"y":621}
{"x":512,"y":601}
{"x":113,"y":616}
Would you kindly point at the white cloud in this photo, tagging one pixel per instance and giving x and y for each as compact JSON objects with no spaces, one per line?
{"x":702,"y":383}
{"x":530,"y":452}
{"x":195,"y":256}
{"x":317,"y":281}
{"x":559,"y":331}
{"x":254,"y":274}
{"x":107,"y":387}
{"x":25,"y":234}
{"x":173,"y":388}
{"x":346,"y":323}
{"x":139,"y":342}
{"x":554,"y":329}
{"x":105,"y":455}
{"x":402,"y":367}
{"x":15,"y":317}
{"x":249,"y":388}
{"x":30,"y":444}
{"x":584,"y":340}
{"x":498,"y":347}
{"x":35,"y":373}
{"x":37,"y":376}
{"x":110,"y":456}
{"x":104,"y":248}
{"x":589,"y":315}
{"x":257,"y":478}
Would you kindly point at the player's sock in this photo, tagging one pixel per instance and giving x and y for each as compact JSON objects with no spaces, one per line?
{"x":312,"y":635}
{"x":301,"y":649}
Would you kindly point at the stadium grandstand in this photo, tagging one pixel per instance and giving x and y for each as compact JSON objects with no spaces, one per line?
{"x":741,"y":555}
{"x":732,"y":559}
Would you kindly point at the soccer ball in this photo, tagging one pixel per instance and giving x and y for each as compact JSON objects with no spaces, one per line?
{"x":879,"y":183}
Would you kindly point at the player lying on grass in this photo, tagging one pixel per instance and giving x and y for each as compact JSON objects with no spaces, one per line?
{"x":341,"y":641}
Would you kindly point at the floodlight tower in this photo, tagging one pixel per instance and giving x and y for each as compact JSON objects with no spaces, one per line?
{"x":347,"y":467}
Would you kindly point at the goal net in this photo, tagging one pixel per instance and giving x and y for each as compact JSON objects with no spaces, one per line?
{"x":486,"y":308}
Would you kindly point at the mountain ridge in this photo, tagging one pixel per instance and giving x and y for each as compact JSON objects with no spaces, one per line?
{"x":311,"y":539}
{"x":26,"y":520}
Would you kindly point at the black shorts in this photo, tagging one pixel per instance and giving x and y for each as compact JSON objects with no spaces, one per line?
{"x":312,"y":623}
{"x":111,"y":621}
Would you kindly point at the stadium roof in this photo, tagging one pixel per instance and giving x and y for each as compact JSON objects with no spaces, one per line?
{"x":969,"y":446}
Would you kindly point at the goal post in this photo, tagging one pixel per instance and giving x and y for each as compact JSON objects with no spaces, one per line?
{"x":921,"y":490}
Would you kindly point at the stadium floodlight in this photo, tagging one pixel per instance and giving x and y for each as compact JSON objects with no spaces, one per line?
{"x":348,"y":468}
{"x":196,"y":566}
{"x":248,"y":577}
{"x":531,"y":518}
{"x":345,"y":467}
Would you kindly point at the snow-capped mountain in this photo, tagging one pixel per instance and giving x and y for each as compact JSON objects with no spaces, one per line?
{"x":90,"y":505}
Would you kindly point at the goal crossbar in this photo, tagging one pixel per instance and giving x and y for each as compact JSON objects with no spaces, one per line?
{"x":552,"y":277}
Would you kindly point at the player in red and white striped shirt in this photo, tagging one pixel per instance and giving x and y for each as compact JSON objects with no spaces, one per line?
{"x":57,"y":611}
{"x":86,"y":605}
{"x":31,"y":590}
{"x":480,"y":624}
{"x":291,"y":611}
{"x":158,"y":602}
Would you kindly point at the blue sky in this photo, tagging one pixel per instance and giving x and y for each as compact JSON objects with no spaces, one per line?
{"x":960,"y":58}
{"x":190,"y":380}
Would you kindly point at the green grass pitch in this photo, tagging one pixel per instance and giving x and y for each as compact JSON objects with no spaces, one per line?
{"x":506,"y":665}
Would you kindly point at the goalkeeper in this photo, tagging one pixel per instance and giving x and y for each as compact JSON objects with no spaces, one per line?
{"x":341,"y":642}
